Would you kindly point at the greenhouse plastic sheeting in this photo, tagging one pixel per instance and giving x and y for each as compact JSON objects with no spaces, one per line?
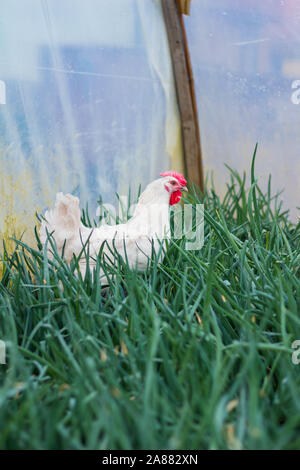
{"x":87,"y":103}
{"x":246,"y":63}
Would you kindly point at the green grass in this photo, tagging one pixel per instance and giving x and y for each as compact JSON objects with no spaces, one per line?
{"x":193,"y":354}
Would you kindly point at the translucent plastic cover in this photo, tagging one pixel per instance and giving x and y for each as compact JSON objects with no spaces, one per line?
{"x":87,"y":103}
{"x":246,"y":62}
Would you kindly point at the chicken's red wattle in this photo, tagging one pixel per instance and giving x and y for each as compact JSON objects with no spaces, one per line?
{"x":175,"y":197}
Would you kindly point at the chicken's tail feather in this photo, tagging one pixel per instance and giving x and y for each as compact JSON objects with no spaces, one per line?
{"x":63,"y":222}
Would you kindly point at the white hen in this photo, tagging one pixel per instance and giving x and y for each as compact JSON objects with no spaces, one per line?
{"x":134,"y":240}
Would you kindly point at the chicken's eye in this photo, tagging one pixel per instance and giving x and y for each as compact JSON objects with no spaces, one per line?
{"x":173,"y":183}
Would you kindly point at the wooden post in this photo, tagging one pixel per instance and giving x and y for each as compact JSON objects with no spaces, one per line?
{"x":184,"y":6}
{"x":185,"y":92}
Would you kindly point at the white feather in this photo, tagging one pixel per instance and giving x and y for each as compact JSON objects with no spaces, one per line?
{"x":145,"y":231}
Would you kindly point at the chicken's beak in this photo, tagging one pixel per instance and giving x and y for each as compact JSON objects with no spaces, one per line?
{"x":184,"y":188}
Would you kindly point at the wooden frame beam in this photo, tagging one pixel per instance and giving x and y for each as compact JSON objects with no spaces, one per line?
{"x":184,"y":6}
{"x":185,"y":91}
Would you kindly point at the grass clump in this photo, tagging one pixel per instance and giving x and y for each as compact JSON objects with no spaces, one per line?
{"x":193,"y":354}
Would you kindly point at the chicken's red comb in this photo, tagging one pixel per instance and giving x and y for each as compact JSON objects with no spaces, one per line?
{"x":181,"y":179}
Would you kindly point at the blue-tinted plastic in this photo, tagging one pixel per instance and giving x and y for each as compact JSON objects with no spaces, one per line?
{"x":88,"y":101}
{"x":246,"y":62}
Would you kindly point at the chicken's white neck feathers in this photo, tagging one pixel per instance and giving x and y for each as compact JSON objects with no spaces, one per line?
{"x":152,"y":208}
